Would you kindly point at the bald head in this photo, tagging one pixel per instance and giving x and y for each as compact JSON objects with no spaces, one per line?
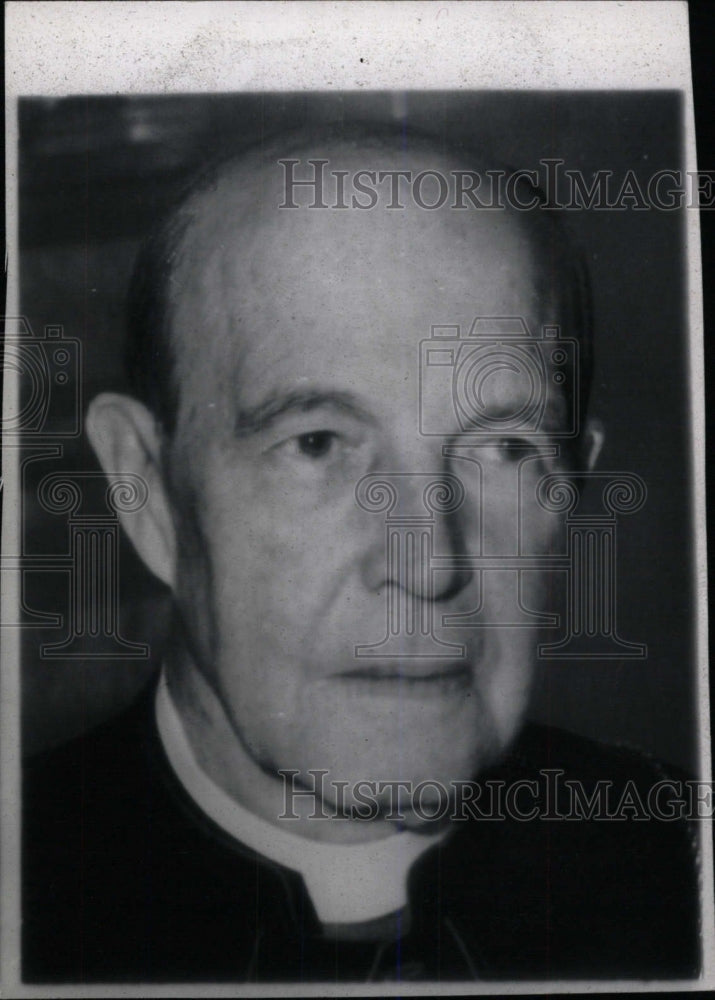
{"x":367,"y":223}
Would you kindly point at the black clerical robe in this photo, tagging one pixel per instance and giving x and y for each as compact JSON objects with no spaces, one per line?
{"x":125,"y":880}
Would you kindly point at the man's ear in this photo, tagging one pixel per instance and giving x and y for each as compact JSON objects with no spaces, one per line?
{"x":592,"y":443}
{"x":125,"y":437}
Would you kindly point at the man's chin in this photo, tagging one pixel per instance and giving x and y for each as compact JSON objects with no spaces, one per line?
{"x":390,"y":790}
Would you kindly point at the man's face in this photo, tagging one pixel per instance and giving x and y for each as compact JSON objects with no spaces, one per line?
{"x":304,"y":377}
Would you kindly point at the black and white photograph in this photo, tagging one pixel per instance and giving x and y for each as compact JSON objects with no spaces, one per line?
{"x":353,"y":562}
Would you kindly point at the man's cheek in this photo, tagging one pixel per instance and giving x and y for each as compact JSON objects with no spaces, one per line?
{"x":512,"y":528}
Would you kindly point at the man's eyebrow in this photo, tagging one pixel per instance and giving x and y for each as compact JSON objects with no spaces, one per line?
{"x":257,"y":418}
{"x":554,"y":412}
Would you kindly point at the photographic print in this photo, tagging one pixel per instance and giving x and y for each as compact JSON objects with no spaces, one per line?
{"x":353,"y":631}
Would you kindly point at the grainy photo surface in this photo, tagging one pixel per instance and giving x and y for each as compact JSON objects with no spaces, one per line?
{"x":354,"y":440}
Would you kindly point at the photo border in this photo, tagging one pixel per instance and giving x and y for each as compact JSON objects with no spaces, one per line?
{"x":58,"y":49}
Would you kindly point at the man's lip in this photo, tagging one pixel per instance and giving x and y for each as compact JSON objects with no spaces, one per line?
{"x":411,"y":670}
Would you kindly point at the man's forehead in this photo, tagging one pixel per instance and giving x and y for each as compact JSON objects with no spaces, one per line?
{"x":249,"y":270}
{"x":241,"y":229}
{"x":373,"y":177}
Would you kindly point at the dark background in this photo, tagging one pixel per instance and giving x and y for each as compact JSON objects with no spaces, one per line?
{"x":95,"y":172}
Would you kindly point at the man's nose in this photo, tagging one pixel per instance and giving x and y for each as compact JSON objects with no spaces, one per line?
{"x":423,"y":515}
{"x":449,"y":539}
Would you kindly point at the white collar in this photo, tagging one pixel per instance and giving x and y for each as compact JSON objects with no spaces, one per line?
{"x":348,"y":883}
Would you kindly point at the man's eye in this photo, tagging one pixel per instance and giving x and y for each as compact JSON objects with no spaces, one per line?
{"x":316,"y":444}
{"x":513,"y":448}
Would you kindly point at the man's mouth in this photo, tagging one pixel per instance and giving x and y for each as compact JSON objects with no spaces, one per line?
{"x":410,"y":675}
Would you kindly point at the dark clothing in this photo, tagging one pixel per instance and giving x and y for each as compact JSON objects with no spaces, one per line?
{"x":124,"y":880}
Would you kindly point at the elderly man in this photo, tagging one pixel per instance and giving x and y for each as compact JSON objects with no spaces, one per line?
{"x":220,"y":829}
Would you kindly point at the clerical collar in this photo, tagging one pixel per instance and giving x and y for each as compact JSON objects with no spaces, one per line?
{"x":347,"y":883}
